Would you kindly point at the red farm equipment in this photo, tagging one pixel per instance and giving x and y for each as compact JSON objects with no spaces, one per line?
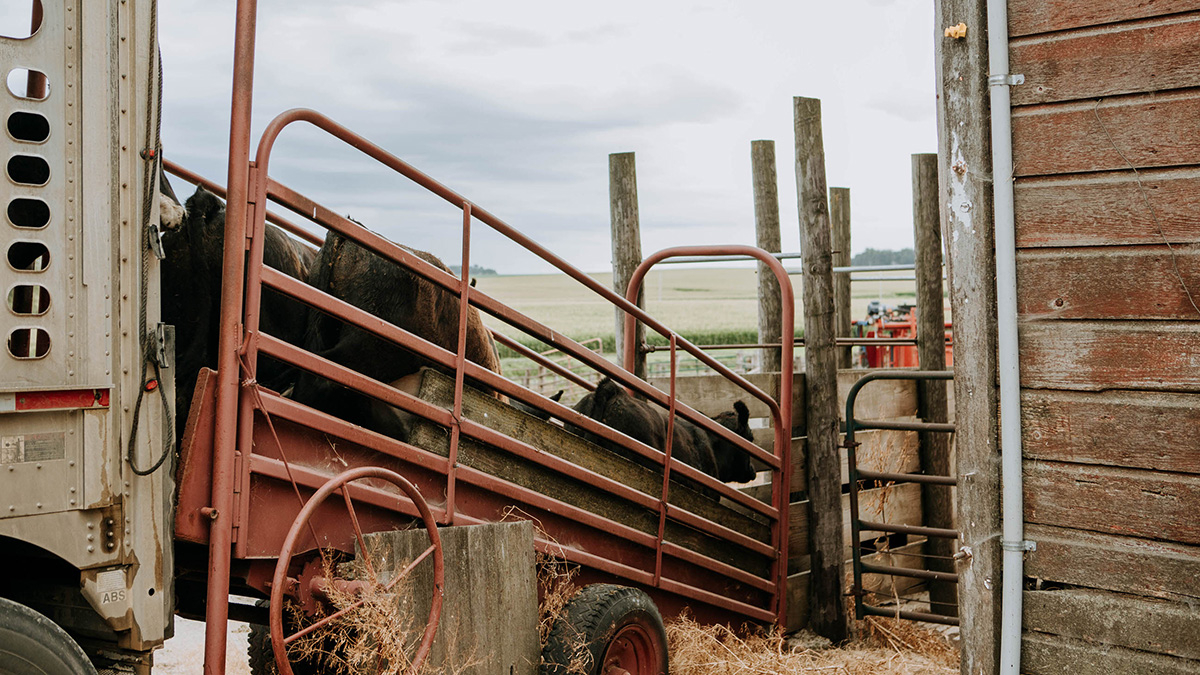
{"x":899,"y":324}
{"x":263,"y":485}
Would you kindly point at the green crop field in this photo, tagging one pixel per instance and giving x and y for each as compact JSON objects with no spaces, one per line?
{"x":694,"y":302}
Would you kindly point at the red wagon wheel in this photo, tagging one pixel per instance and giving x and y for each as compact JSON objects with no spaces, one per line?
{"x":280,"y":642}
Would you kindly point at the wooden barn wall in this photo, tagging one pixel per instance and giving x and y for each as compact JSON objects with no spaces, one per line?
{"x":1106,"y":144}
{"x":881,"y":450}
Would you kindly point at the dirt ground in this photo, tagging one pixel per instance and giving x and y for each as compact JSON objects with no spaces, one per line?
{"x":184,"y":653}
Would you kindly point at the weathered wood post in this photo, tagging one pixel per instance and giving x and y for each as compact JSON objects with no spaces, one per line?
{"x":937,"y":507}
{"x":839,"y":218}
{"x":964,"y":149}
{"x":766,"y":228}
{"x":626,"y":245}
{"x":827,"y":614}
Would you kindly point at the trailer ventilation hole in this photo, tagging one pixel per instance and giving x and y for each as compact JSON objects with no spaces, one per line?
{"x":28,"y":343}
{"x":28,"y":170}
{"x":29,"y":213}
{"x":22,"y":23}
{"x":28,"y":256}
{"x":28,"y":126}
{"x":29,"y":300}
{"x":30,"y":84}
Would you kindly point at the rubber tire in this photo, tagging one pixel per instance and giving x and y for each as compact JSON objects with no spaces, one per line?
{"x":262,"y":657}
{"x":589,"y":622}
{"x":258,"y":649}
{"x":32,"y":644}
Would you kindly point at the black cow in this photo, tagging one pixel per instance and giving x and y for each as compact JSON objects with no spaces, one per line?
{"x":191,"y":295}
{"x":610,"y":404}
{"x":393,"y":293}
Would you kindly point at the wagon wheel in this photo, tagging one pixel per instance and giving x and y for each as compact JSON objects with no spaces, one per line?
{"x":280,"y":582}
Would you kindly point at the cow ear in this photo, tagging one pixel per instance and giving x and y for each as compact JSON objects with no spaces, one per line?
{"x":201,"y":207}
{"x":743,"y":413}
{"x":557,"y":396}
{"x":605,"y":391}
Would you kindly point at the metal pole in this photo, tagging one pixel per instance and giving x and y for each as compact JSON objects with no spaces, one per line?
{"x":225,"y":441}
{"x":1012,"y":503}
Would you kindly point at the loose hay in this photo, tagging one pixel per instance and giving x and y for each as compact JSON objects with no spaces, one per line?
{"x":886,"y":647}
{"x":380,"y":634}
{"x":555,"y":578}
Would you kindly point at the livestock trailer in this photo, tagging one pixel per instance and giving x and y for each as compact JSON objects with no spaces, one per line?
{"x":1073,"y":279}
{"x":110,"y":530}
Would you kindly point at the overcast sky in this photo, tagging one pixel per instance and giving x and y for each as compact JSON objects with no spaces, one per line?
{"x":517,"y":105}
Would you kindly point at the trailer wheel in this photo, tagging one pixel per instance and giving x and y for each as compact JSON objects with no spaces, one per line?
{"x":607,"y":630}
{"x":304,"y":524}
{"x":261,"y":656}
{"x":32,"y":644}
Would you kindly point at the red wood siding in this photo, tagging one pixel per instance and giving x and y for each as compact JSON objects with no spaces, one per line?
{"x":1106,"y":147}
{"x":1108,"y":209}
{"x":1026,"y":17}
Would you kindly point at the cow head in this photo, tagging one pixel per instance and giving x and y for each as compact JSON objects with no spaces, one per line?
{"x":733,"y":464}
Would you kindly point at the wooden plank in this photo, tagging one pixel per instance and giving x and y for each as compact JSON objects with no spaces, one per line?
{"x":881,"y":399}
{"x":881,"y":450}
{"x":1156,"y":282}
{"x":1098,"y":355}
{"x":965,"y":182}
{"x":1081,"y":558}
{"x":1149,"y":504}
{"x":797,"y":600}
{"x":897,"y":505}
{"x":438,"y":388}
{"x":1103,"y":209}
{"x":887,"y":585}
{"x":1115,"y":428}
{"x":827,"y":614}
{"x":766,"y":235}
{"x":490,"y":604}
{"x":1026,"y":17}
{"x":1152,"y":54}
{"x":1152,"y":130}
{"x":799,"y":465}
{"x":885,"y":450}
{"x":1146,"y":624}
{"x":1043,"y":654}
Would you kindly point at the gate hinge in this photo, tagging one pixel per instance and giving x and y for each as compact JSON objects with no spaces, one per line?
{"x":154,"y":234}
{"x":164,"y":344}
{"x":1003,"y":80}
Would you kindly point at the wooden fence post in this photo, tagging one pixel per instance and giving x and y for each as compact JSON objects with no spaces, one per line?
{"x":937,"y":507}
{"x":827,"y":547}
{"x":839,"y":218}
{"x":626,"y":246}
{"x":766,"y":228}
{"x":964,"y":149}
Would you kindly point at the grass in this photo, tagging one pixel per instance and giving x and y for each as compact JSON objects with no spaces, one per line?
{"x":708,"y":306}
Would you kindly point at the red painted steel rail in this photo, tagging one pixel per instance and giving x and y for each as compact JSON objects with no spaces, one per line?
{"x":244,"y":455}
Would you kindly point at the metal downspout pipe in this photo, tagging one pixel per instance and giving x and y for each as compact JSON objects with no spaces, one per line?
{"x":1012,"y":507}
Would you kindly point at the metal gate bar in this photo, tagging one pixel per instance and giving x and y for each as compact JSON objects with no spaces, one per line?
{"x":861,"y":608}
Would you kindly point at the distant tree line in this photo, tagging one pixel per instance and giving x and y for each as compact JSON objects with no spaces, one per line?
{"x":476,"y":271}
{"x":873,"y":256}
